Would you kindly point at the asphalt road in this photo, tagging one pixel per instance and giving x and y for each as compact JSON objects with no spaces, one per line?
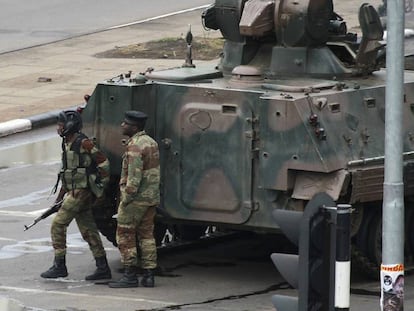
{"x":29,"y":23}
{"x":232,"y":274}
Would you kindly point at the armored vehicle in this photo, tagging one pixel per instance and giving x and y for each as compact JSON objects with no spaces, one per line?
{"x":294,"y":106}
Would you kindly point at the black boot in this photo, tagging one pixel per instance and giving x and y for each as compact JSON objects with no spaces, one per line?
{"x":129,"y":279}
{"x":57,"y":270}
{"x":148,"y":278}
{"x":102,"y":270}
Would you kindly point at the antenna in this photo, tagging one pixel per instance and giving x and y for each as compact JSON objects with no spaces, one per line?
{"x":189,"y":39}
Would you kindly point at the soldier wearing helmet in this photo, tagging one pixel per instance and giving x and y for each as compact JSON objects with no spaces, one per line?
{"x":84,"y":173}
{"x":139,"y":188}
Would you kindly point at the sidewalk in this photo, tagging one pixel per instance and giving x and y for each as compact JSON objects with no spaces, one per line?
{"x":73,"y":70}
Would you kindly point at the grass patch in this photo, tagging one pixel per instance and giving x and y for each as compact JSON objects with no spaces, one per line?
{"x":172,"y":48}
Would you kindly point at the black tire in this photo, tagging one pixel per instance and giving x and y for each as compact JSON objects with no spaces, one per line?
{"x":374,"y":247}
{"x":362,"y":236}
{"x":103,"y":211}
{"x":190,"y":232}
{"x":108,"y":230}
{"x":159,"y":232}
{"x":104,"y":208}
{"x":363,"y":253}
{"x":409,"y":232}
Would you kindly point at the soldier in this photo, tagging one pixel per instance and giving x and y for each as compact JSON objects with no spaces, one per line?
{"x":84,"y":173}
{"x":139,"y":190}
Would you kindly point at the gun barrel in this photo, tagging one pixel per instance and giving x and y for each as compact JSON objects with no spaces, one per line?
{"x":53,"y":209}
{"x":29,"y":226}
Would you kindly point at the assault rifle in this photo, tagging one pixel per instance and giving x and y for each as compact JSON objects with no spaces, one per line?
{"x":53,"y":209}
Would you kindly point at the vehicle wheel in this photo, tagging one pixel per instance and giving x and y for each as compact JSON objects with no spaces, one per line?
{"x":357,"y":218}
{"x":366,"y":255}
{"x":190,"y":232}
{"x":159,"y":232}
{"x":409,"y":232}
{"x":108,"y":230}
{"x":103,"y":210}
{"x":374,"y":246}
{"x":363,"y":232}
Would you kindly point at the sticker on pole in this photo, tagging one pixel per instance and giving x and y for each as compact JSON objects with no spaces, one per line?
{"x":392,"y":287}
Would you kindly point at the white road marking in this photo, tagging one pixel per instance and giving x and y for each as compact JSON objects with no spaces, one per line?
{"x":159,"y":16}
{"x":22,"y":214}
{"x":109,"y":297}
{"x":28,"y":199}
{"x":7,"y":239}
{"x":74,"y":244}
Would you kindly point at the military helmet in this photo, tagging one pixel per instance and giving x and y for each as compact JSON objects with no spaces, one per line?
{"x":72,"y":122}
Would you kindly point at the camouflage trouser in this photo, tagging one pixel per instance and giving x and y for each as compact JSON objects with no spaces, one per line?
{"x":136,"y":223}
{"x":78,"y":207}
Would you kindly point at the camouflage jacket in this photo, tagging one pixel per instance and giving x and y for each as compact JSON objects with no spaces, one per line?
{"x":140,"y":175}
{"x":84,"y":166}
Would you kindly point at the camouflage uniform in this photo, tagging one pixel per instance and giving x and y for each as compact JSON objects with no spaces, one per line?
{"x":77,"y":205}
{"x":84,"y":174}
{"x":139,"y":189}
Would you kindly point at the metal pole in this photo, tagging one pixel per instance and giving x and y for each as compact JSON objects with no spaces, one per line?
{"x":330,"y":248}
{"x":343,"y":257}
{"x":392,"y":268}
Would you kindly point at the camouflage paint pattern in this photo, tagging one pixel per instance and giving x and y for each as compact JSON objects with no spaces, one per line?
{"x":76,"y":205}
{"x":231,"y":152}
{"x":285,"y":114}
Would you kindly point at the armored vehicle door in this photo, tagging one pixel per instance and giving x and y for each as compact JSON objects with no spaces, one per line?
{"x":206,"y":154}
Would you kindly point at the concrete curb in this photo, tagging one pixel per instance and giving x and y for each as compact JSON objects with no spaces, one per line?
{"x":21,"y":125}
{"x":14,"y":126}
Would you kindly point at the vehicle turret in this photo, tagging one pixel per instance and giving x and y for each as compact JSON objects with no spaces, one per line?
{"x":291,"y":38}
